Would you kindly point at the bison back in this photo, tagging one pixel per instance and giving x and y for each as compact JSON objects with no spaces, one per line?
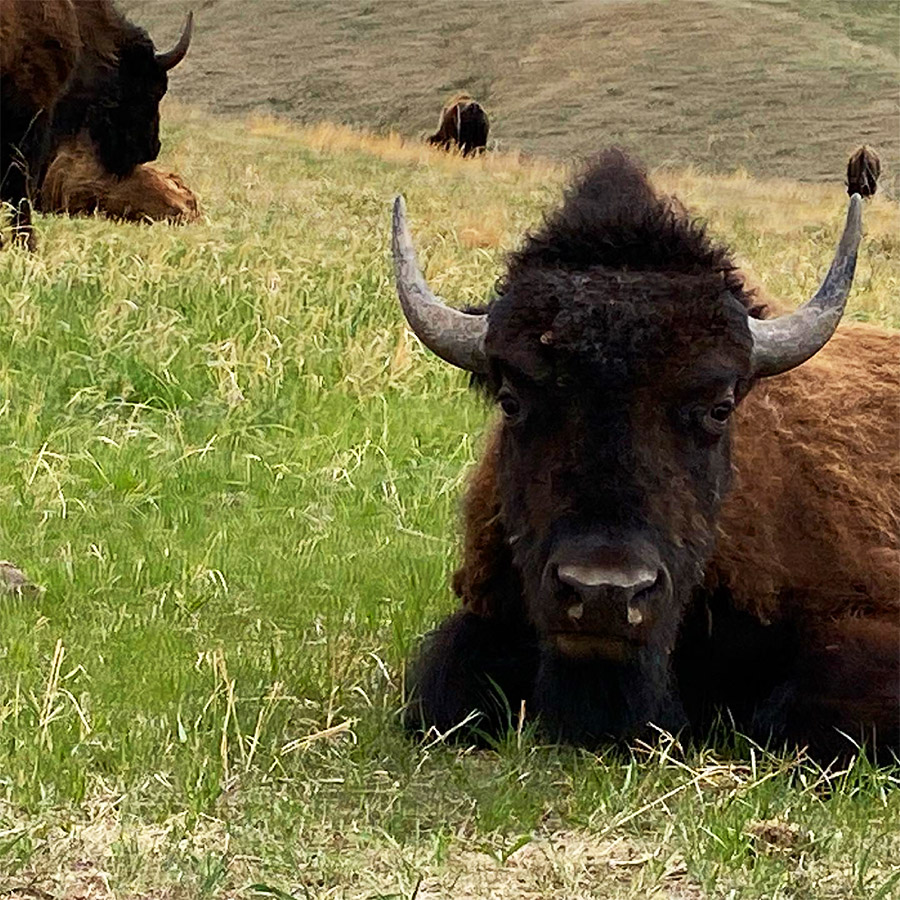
{"x":39,"y":48}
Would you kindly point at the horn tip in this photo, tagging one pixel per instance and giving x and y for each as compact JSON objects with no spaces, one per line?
{"x":854,"y":217}
{"x":399,"y":214}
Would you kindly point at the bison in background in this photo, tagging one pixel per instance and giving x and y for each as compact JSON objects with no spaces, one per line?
{"x":464,"y":124}
{"x":685,"y":507}
{"x":72,"y":66}
{"x":863,"y":171}
{"x":76,"y":183}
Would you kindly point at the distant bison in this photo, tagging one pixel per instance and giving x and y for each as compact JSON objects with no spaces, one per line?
{"x":463,"y":124}
{"x":863,"y":170}
{"x":77,"y":183}
{"x":68,"y":66}
{"x":685,"y":508}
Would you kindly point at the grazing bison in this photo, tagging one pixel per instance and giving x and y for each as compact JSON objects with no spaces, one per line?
{"x":463,"y":124}
{"x":863,"y":169}
{"x":76,"y":183}
{"x":68,"y":66}
{"x":685,"y":507}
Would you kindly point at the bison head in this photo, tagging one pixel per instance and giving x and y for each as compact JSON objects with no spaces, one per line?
{"x":123,"y":117}
{"x":618,"y":346}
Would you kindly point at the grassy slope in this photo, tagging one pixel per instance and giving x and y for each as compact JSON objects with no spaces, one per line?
{"x":780,"y":87}
{"x":237,"y":479}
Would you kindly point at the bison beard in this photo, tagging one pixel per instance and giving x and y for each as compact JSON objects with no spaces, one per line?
{"x":659,"y":532}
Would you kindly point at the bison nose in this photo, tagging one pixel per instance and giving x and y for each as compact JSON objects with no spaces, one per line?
{"x":606,"y":590}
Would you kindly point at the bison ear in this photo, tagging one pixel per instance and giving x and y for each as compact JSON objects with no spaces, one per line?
{"x":171,"y":58}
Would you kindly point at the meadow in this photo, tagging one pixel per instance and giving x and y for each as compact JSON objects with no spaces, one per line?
{"x":233,"y":477}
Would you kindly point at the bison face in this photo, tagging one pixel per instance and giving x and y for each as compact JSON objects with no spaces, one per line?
{"x":618,"y":348}
{"x":124,"y":122}
{"x":616,"y":394}
{"x":123,"y":119}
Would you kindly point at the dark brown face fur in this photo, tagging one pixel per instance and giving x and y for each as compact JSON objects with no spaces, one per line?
{"x":615,"y":447}
{"x":616,"y":382}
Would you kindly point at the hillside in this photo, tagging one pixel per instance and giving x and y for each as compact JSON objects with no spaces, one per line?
{"x":779,"y":87}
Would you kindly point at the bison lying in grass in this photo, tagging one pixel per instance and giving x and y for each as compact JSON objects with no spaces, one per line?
{"x":70,"y":67}
{"x":76,"y":182}
{"x":685,"y":507}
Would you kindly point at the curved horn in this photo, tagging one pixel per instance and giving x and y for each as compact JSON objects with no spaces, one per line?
{"x":783,"y":343}
{"x":455,"y":336}
{"x":174,"y":56}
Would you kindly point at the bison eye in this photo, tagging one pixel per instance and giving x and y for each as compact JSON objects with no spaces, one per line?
{"x":509,"y":404}
{"x":717,"y":416}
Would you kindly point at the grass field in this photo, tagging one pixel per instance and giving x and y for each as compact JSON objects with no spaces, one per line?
{"x":773,"y":86}
{"x":235,"y":478}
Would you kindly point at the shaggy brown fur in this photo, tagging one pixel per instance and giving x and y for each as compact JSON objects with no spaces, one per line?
{"x":463,"y":124}
{"x":26,"y":24}
{"x":863,"y":170}
{"x":30,"y":82}
{"x":77,"y":183}
{"x":619,"y":352}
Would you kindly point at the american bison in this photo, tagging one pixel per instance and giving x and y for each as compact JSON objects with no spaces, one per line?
{"x":863,"y":169}
{"x":68,"y":66}
{"x":464,"y":124}
{"x":77,"y":183}
{"x":685,"y":507}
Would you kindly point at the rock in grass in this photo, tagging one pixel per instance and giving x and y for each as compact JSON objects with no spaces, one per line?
{"x":14,"y":581}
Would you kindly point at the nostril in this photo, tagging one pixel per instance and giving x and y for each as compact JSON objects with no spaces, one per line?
{"x":645,"y":589}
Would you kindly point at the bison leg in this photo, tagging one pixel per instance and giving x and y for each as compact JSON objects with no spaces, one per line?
{"x":471,"y":669}
{"x":727,"y":662}
{"x":15,"y":193}
{"x":23,"y":159}
{"x":845,"y":688}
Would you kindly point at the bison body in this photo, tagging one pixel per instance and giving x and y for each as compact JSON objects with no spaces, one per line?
{"x":463,"y":124}
{"x":39,"y":48}
{"x":794,"y":627}
{"x":73,"y":66}
{"x":76,"y":183}
{"x":675,"y":516}
{"x":863,"y":171}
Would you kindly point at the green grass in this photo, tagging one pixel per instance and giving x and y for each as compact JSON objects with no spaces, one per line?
{"x":236,"y":478}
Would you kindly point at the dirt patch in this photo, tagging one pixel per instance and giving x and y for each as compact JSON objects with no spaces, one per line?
{"x":567,"y":865}
{"x":776,"y":836}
